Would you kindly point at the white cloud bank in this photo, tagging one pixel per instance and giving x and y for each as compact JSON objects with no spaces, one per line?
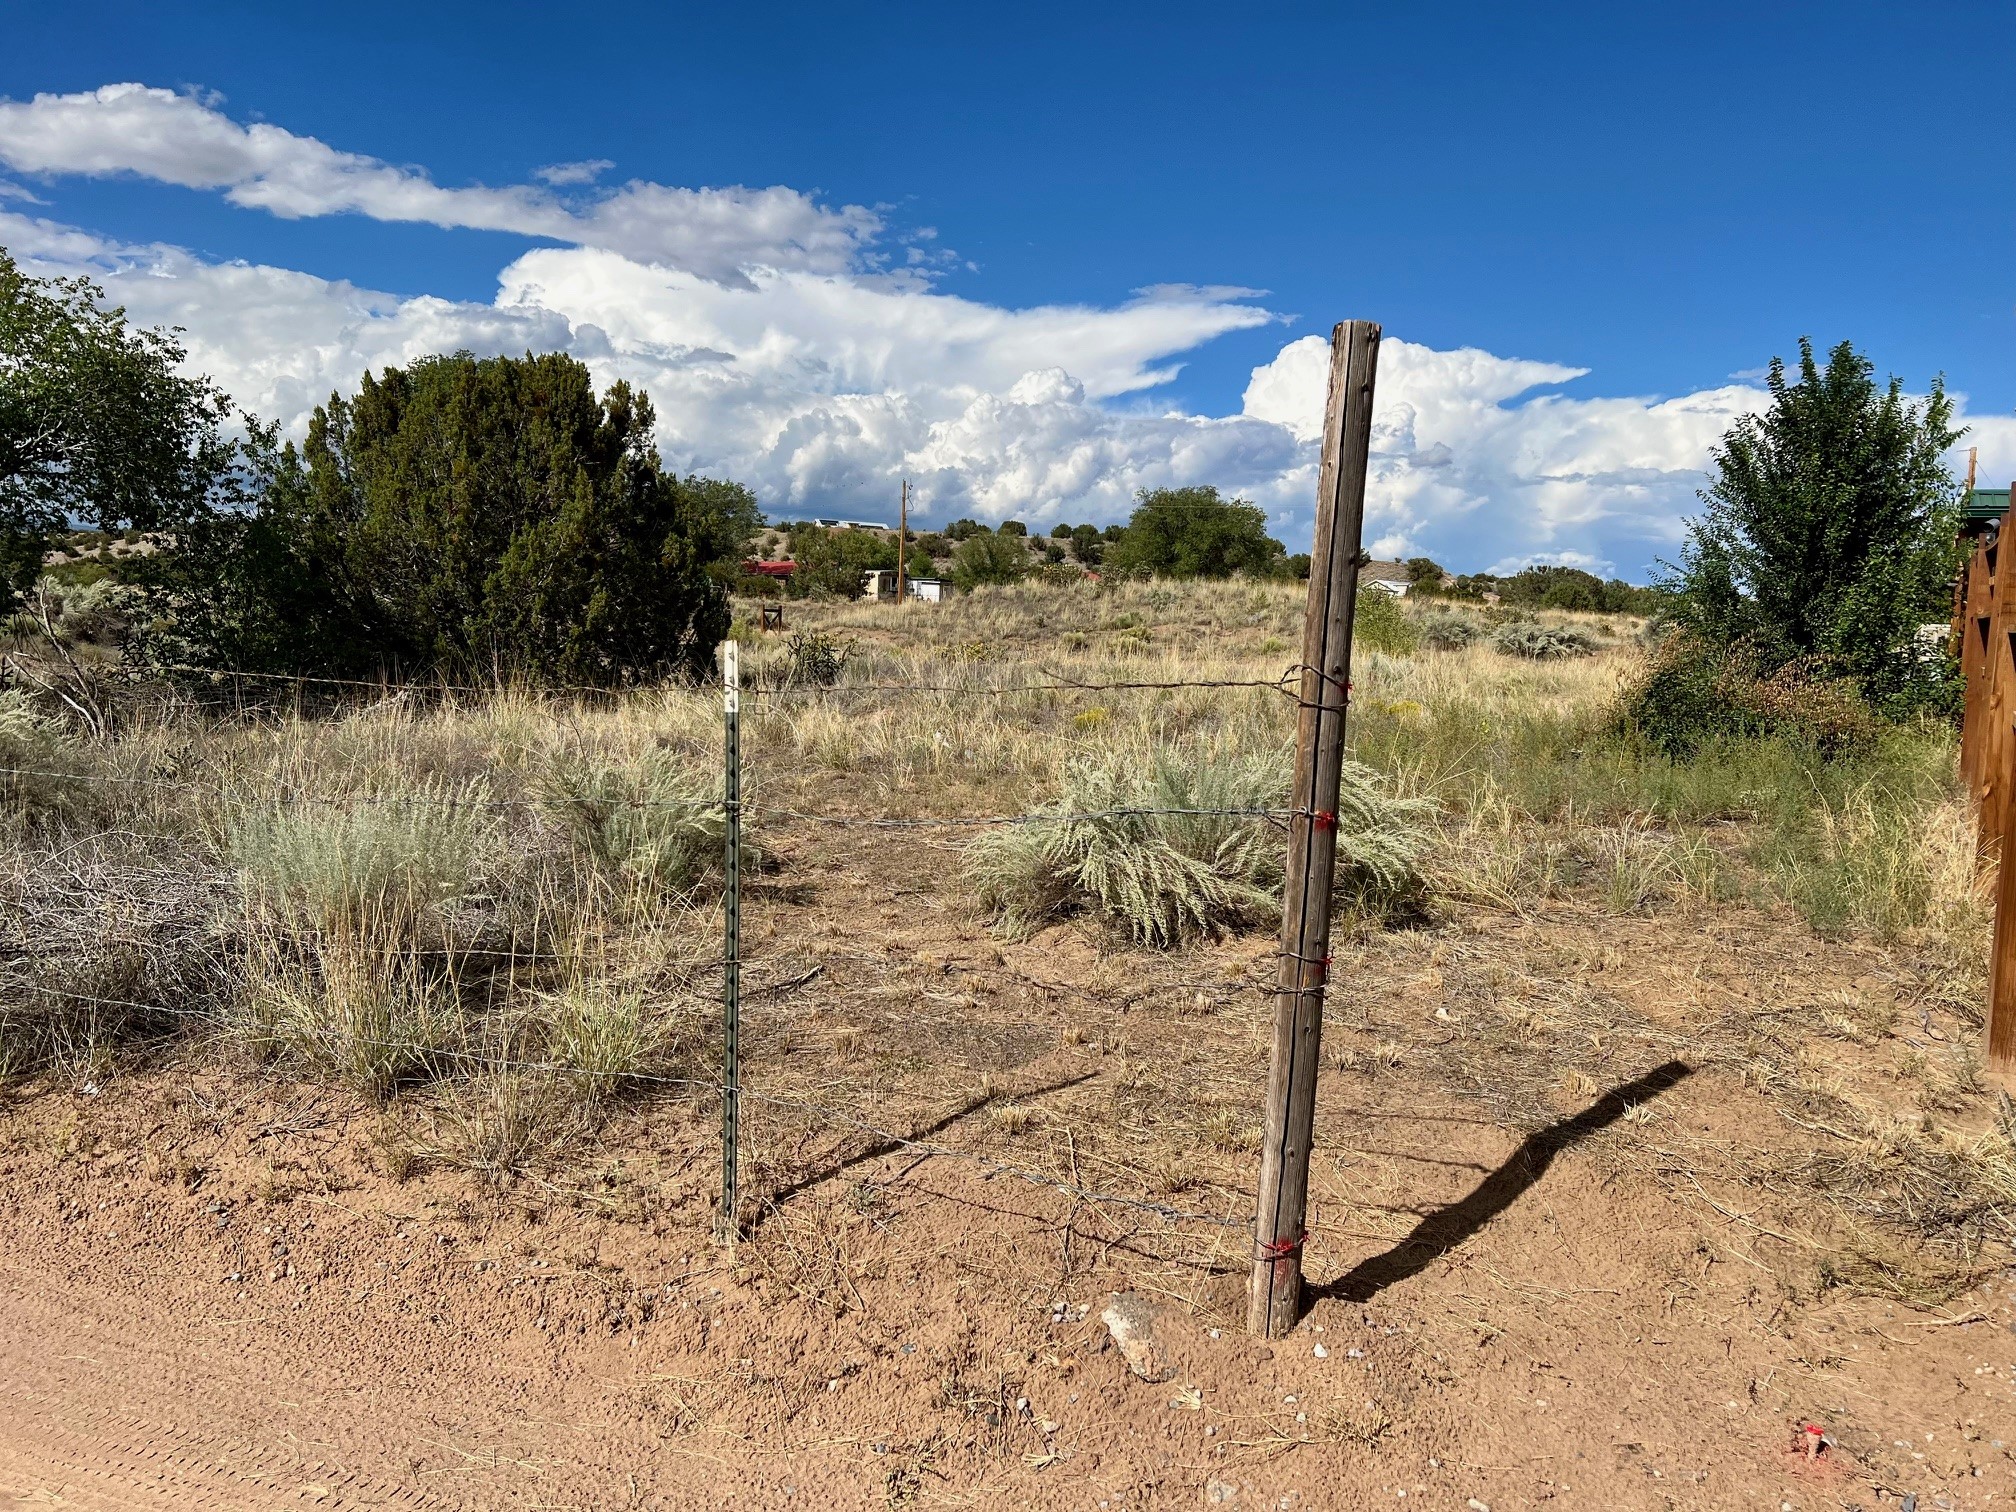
{"x":781,"y":350}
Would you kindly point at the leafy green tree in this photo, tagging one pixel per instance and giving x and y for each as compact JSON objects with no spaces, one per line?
{"x":1088,"y":545}
{"x":960,"y":530}
{"x":97,"y":422}
{"x":989,"y":558}
{"x":1424,"y":575}
{"x":1011,"y":528}
{"x":1829,"y":529}
{"x":473,"y":516}
{"x":1060,"y":532}
{"x":835,"y":561}
{"x":727,"y":515}
{"x":1192,"y":533}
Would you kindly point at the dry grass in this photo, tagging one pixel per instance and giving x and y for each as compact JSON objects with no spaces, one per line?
{"x":497,"y":914}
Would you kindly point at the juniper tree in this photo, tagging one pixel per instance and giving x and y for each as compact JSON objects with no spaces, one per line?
{"x":1828,"y":532}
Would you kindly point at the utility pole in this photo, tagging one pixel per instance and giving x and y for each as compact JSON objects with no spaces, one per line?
{"x":1279,"y":1230}
{"x":903,"y":547}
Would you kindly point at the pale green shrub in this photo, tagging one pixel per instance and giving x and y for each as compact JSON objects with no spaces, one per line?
{"x":1168,"y":876}
{"x":1538,"y":642}
{"x":657,"y":821}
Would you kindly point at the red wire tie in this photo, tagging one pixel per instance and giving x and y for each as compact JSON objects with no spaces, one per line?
{"x":1281,"y":1249}
{"x":1324,"y":819}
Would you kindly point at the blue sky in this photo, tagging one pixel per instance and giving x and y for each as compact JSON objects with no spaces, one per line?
{"x":1661,"y":198}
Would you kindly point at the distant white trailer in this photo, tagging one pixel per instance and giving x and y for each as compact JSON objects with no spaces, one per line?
{"x":930,"y":590}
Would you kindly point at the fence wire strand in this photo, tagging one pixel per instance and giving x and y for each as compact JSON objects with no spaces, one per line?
{"x":1287,"y":683}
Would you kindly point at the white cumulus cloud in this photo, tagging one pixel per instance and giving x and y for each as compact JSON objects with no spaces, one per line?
{"x":716,"y":233}
{"x":780,"y":349}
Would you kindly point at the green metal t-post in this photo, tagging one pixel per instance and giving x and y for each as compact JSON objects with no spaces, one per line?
{"x":731,"y":955}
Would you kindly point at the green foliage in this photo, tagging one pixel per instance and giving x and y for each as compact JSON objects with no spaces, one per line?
{"x":1060,"y":531}
{"x":836,"y":562}
{"x":1192,"y":532}
{"x":94,"y":611}
{"x":1691,"y":690}
{"x":1828,"y":533}
{"x":1552,"y":587}
{"x":726,"y":518}
{"x":1165,"y":877}
{"x":1538,"y":642}
{"x":964,"y":530}
{"x":1011,"y":528}
{"x":813,"y":659}
{"x":1378,"y":623}
{"x":655,"y":824}
{"x":989,"y":558}
{"x":96,"y":421}
{"x":1088,"y":545}
{"x":1448,"y":629}
{"x":476,"y":516}
{"x":389,"y":865}
{"x":1424,"y":575}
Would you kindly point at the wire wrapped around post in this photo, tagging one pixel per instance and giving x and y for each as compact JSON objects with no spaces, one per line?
{"x":1280,"y":1230}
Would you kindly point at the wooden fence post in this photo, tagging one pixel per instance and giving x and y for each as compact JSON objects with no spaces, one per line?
{"x":1993,"y":748}
{"x":1995,"y":763}
{"x":1279,"y":1228}
{"x":1972,"y":626}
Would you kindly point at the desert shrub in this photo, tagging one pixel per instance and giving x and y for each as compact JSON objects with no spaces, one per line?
{"x":1448,"y":629}
{"x":1538,"y":642}
{"x":811,"y":659}
{"x":1379,"y":624}
{"x":35,"y":763}
{"x":345,"y":1006}
{"x":1165,"y":877}
{"x":604,"y":1038}
{"x":503,"y":1122}
{"x":95,"y":611}
{"x":1690,"y":690}
{"x":391,"y":863}
{"x":656,"y":821}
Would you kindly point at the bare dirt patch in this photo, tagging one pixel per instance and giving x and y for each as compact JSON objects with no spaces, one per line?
{"x":1594,"y":1225}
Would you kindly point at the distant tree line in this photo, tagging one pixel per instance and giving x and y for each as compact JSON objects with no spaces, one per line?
{"x":1539,"y":587}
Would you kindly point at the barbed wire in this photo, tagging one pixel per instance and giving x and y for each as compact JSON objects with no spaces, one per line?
{"x":1058,"y":684}
{"x":423,"y":1054}
{"x":433,"y":1057}
{"x":561,"y":803}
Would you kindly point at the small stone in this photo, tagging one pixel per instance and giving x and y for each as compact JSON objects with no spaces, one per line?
{"x":1221,"y":1493}
{"x":1130,"y":1318}
{"x":1477,"y":1506}
{"x":1322,"y":1353}
{"x":1354,"y":1354}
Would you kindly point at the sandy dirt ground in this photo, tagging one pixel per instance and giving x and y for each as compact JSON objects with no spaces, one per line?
{"x":1562,"y":1251}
